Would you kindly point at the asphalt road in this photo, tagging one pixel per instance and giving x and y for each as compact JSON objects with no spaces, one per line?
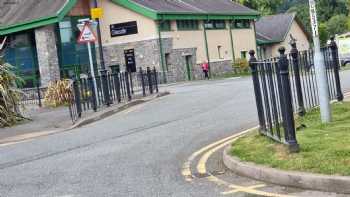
{"x":139,"y":152}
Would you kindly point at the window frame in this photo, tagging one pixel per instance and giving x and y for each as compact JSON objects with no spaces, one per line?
{"x":215,"y":24}
{"x":246,"y":24}
{"x":187,"y":25}
{"x":165,"y":25}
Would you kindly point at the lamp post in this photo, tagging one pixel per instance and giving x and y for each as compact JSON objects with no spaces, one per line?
{"x":321,"y":77}
{"x":103,"y":66}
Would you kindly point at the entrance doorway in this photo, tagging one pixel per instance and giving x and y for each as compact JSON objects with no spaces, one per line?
{"x":189,"y":67}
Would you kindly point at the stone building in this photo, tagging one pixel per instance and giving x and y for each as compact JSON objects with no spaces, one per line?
{"x":177,"y":36}
{"x":174,"y":36}
{"x":275,"y":31}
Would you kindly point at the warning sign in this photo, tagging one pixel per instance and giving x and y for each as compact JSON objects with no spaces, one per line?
{"x":86,"y":35}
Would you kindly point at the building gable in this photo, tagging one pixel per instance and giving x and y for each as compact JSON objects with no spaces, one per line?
{"x":29,"y":14}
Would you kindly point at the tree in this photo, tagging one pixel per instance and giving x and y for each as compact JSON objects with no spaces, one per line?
{"x":337,"y":24}
{"x":266,"y":7}
{"x":324,"y":36}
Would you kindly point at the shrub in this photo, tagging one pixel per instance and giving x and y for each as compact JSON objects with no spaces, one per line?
{"x":59,"y":93}
{"x":241,"y":65}
{"x":9,"y":95}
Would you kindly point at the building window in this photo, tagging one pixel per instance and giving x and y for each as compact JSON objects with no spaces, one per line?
{"x":66,"y":32}
{"x":244,"y":54}
{"x":241,"y":24}
{"x":219,"y":51}
{"x":165,"y":26}
{"x":215,"y":24}
{"x":187,"y":25}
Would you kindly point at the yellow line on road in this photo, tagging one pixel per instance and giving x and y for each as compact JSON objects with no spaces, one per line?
{"x":186,"y":171}
{"x":201,"y":167}
{"x":238,"y":190}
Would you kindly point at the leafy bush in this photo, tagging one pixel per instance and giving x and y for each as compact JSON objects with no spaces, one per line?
{"x":59,"y":93}
{"x":9,"y":95}
{"x":241,"y":65}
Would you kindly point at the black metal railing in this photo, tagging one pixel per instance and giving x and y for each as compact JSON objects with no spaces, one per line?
{"x":123,"y":86}
{"x":32,"y":96}
{"x":287,"y":85}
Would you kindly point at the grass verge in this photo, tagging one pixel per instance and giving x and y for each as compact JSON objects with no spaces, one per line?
{"x":324,"y":148}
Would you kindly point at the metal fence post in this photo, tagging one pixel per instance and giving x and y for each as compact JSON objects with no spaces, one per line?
{"x":257,"y":90}
{"x":105,"y":87}
{"x":39,"y":93}
{"x":115,"y":72}
{"x":127,"y":82}
{"x":131,"y":83}
{"x":77,"y":97}
{"x":149,"y":76}
{"x":288,"y":115}
{"x":142,"y":82}
{"x":295,"y":57}
{"x":335,"y":57}
{"x":93,"y":93}
{"x":155,"y":79}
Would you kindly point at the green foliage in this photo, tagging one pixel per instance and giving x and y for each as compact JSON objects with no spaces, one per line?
{"x":324,"y":35}
{"x":330,"y":12}
{"x":264,"y":6}
{"x":9,"y":96}
{"x":241,"y":65}
{"x":337,"y":24}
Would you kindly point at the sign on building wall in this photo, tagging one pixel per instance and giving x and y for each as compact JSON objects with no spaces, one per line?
{"x":123,"y":29}
{"x":130,"y":60}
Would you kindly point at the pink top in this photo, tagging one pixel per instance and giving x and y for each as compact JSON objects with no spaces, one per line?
{"x":205,"y":66}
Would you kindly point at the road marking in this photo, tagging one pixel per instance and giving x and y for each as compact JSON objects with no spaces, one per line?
{"x":238,"y":190}
{"x":186,"y":171}
{"x":201,"y":168}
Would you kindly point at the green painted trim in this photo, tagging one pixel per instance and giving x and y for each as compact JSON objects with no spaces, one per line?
{"x":161,"y":51}
{"x":232,"y":46}
{"x":137,"y":8}
{"x":196,"y":16}
{"x":264,"y":42}
{"x":206,"y":47}
{"x":4,"y":30}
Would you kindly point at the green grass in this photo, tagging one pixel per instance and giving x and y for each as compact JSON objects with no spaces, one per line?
{"x":324,"y":148}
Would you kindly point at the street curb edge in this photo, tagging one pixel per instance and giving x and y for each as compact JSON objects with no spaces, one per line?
{"x":326,"y":183}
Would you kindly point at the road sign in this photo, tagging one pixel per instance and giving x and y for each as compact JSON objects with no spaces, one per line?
{"x":96,"y":13}
{"x":86,"y":35}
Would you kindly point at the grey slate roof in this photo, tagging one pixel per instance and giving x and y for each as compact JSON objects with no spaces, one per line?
{"x":274,"y":28}
{"x":196,"y":6}
{"x":21,"y":11}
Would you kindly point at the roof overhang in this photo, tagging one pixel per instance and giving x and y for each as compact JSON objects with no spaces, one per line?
{"x":5,"y":30}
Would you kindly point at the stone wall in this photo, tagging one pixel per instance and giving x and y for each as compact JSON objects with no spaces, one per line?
{"x":177,"y":64}
{"x":147,"y":53}
{"x":45,"y":39}
{"x":218,"y":68}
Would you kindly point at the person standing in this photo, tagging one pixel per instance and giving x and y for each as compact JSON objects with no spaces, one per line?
{"x":205,"y":68}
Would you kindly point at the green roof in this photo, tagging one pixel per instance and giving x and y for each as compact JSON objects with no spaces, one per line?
{"x":29,"y":14}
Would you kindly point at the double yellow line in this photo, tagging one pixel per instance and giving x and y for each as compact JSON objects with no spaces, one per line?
{"x":206,"y":153}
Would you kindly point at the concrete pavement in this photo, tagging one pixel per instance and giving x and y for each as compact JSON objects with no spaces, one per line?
{"x":141,"y":151}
